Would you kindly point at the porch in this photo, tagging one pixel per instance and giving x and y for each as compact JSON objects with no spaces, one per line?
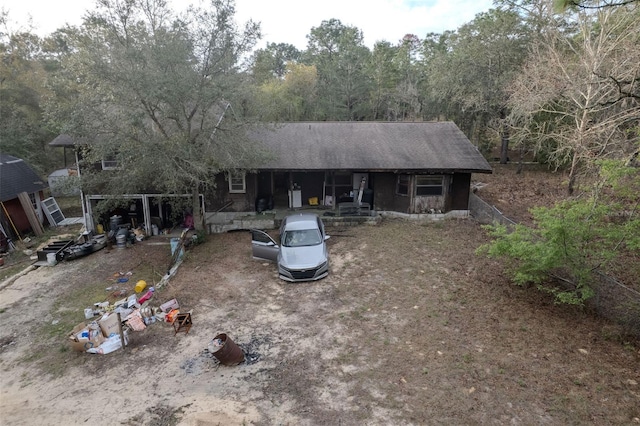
{"x":219,"y":222}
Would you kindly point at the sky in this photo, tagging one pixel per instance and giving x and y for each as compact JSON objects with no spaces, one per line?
{"x":286,"y":21}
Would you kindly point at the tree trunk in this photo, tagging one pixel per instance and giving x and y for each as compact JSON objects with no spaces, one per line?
{"x":198,"y":214}
{"x":572,"y":174}
{"x":504,"y":147}
{"x":521,"y":159}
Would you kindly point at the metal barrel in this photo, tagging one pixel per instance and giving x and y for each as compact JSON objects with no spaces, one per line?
{"x":121,"y":240}
{"x":229,"y":353}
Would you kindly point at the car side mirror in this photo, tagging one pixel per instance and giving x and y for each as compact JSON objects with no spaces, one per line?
{"x":326,"y":237}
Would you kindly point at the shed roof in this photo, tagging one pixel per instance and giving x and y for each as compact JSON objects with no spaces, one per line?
{"x":17,"y":176}
{"x":62,"y":140}
{"x":348,"y":145}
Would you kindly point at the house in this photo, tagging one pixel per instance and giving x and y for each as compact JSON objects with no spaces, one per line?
{"x":344,"y":168}
{"x":406,"y":167}
{"x":17,"y":177}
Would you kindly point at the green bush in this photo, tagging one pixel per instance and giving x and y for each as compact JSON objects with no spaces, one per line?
{"x":576,"y":237}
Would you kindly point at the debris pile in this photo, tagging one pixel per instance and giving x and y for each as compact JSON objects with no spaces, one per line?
{"x":108,"y":324}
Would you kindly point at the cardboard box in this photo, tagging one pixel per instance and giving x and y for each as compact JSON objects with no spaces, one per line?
{"x":169,"y":306}
{"x":109,"y":325}
{"x":84,"y":337}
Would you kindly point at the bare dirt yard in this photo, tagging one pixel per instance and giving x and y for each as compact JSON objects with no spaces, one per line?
{"x":411,"y":327}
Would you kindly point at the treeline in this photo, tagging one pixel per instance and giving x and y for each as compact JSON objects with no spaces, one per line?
{"x":563,"y":85}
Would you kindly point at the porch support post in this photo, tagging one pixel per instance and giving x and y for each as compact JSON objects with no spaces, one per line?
{"x":333,"y":190}
{"x":146,"y":213}
{"x":88,"y":221}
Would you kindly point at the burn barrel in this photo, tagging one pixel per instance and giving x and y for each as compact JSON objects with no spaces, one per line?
{"x":225,"y":350}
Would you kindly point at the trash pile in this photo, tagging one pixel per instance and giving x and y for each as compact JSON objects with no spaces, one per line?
{"x":108,"y":324}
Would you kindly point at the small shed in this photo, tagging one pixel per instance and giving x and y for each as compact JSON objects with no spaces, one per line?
{"x":16,"y":178}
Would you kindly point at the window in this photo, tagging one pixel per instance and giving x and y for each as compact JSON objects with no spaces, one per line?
{"x":402,"y":187}
{"x":237,"y":183}
{"x":109,"y":162}
{"x":428,"y":185}
{"x":34,"y":201}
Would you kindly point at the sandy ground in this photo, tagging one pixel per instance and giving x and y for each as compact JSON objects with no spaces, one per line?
{"x":411,"y":327}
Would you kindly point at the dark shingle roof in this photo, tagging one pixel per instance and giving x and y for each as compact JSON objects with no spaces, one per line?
{"x":435,"y":146}
{"x":17,"y":176}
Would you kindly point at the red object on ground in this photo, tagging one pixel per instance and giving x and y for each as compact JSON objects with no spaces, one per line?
{"x":148,"y":295}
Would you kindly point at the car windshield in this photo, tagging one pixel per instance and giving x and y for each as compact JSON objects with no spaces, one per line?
{"x":302,"y":237}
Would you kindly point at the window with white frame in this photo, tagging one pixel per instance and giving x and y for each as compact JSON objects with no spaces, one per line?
{"x":109,"y":162}
{"x":402,"y":186}
{"x":36,"y":204}
{"x":428,"y":185}
{"x":237,"y":183}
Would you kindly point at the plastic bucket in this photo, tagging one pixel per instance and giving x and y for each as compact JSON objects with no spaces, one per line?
{"x":140,"y":285}
{"x":229,"y":353}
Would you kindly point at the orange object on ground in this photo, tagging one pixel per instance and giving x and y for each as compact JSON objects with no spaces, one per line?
{"x":171,"y":316}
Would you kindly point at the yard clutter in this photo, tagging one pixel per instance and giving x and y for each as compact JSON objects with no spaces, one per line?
{"x":130,"y":308}
{"x":54,"y":251}
{"x":110,"y":323}
{"x":88,"y":244}
{"x":86,"y":336}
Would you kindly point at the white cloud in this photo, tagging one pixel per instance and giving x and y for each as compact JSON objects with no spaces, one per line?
{"x":289,"y":21}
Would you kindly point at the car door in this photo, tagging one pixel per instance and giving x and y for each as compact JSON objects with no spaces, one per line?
{"x":263,"y":246}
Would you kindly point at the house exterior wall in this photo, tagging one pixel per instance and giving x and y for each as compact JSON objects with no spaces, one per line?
{"x":459,"y":189}
{"x":219,"y":196}
{"x":18,"y":215}
{"x":455,"y":193}
{"x":384,"y":193}
{"x":19,"y":218}
{"x":427,"y":204}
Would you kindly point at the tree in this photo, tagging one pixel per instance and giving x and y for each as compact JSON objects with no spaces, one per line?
{"x":470,"y":75}
{"x":574,"y":99}
{"x":272,"y":61}
{"x":340,"y":57}
{"x":384,"y":79}
{"x":152,"y":91}
{"x":289,"y":99}
{"x":23,"y":79}
{"x":409,"y":78}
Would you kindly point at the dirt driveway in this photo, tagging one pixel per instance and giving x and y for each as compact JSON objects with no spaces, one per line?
{"x":411,"y":327}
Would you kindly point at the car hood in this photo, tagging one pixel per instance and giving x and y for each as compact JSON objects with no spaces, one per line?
{"x":302,"y":257}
